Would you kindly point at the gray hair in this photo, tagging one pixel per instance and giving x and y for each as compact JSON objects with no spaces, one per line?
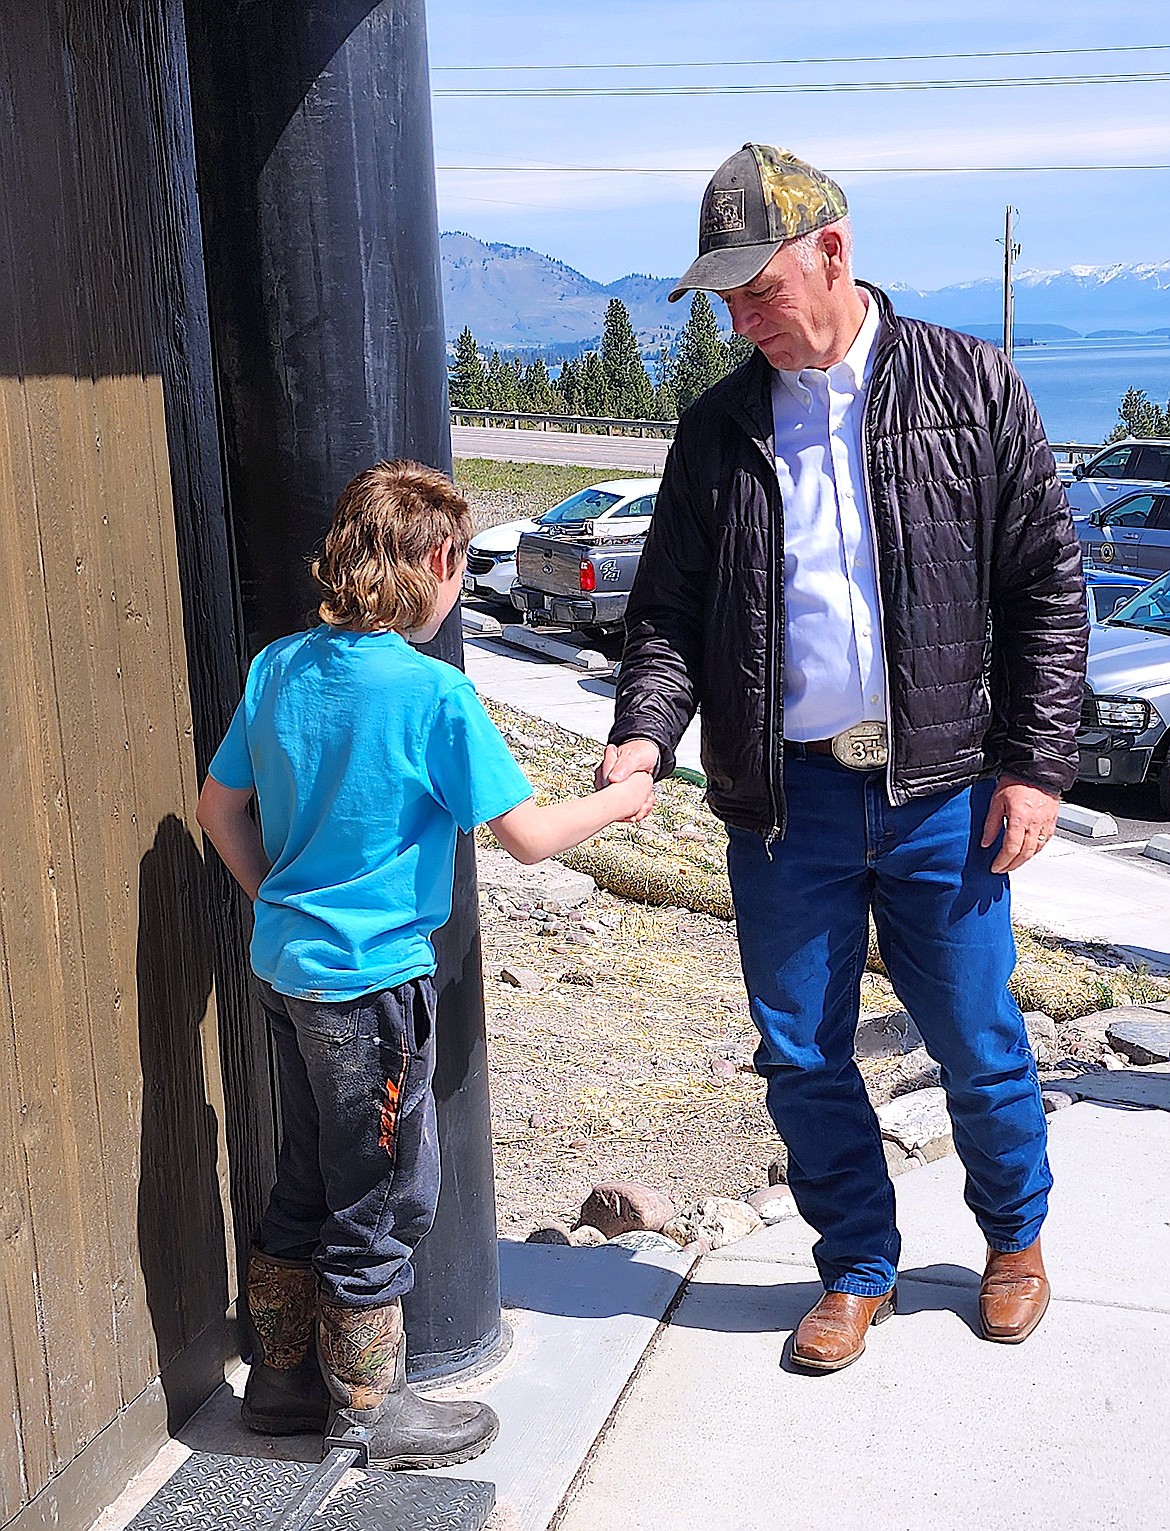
{"x":807,"y":246}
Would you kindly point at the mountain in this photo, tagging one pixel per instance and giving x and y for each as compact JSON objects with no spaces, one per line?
{"x":1081,"y":299}
{"x":517,"y":299}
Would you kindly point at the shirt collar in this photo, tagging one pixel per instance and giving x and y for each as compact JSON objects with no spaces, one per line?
{"x":852,"y":371}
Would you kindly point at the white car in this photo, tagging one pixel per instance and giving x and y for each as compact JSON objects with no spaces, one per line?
{"x":1117,"y":471}
{"x":620,"y":507}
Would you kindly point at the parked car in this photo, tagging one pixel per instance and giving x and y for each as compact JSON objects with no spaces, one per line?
{"x":620,"y":507}
{"x":1124,"y":735}
{"x":1115,"y":472}
{"x":576,"y":580}
{"x":1107,"y":590}
{"x":1132,"y":535}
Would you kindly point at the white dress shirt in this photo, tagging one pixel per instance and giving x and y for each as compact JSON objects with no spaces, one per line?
{"x":834,"y":671}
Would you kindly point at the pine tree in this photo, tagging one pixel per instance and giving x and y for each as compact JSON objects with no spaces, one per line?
{"x":627,"y":386}
{"x":569,"y":386}
{"x":501,"y":384}
{"x":593,"y":396}
{"x":468,"y":378}
{"x":1138,"y":415}
{"x":536,"y":390}
{"x":701,"y":359}
{"x":738,"y":350}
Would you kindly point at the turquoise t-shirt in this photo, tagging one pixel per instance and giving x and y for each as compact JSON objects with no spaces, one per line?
{"x":365,"y":756}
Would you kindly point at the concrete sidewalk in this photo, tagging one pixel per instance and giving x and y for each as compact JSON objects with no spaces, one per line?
{"x":933,"y":1429}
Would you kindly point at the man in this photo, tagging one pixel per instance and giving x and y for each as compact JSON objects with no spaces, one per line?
{"x":862,"y":569}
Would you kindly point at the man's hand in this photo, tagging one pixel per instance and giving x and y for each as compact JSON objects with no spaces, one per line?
{"x":621,"y":761}
{"x":1027,"y":816}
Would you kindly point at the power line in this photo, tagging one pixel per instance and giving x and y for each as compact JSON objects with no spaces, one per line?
{"x":770,"y":63}
{"x":860,"y":170}
{"x":583,"y":92}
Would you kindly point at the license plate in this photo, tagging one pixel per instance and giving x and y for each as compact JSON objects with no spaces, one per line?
{"x":468,"y":584}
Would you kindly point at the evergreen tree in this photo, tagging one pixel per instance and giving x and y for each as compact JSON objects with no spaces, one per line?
{"x":569,"y":385}
{"x":702,"y":353}
{"x":592,"y":393}
{"x":627,"y":386}
{"x":501,"y":384}
{"x":468,"y":378}
{"x":536,"y":390}
{"x":1137,"y":415}
{"x":665,"y":400}
{"x":738,"y":350}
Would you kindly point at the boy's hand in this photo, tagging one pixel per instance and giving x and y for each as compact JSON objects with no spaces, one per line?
{"x":636,"y":791}
{"x":621,"y":761}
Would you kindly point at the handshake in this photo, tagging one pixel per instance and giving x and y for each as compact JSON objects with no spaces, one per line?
{"x":630,"y":768}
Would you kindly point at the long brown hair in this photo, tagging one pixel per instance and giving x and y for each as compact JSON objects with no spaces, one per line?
{"x":373,"y":570}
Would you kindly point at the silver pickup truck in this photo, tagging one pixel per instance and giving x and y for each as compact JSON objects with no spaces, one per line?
{"x":579,"y":573}
{"x":577,"y":581}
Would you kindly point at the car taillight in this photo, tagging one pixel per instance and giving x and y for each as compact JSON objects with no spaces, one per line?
{"x":588,"y":575}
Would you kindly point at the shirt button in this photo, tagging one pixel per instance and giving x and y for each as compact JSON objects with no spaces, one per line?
{"x":875,"y":700}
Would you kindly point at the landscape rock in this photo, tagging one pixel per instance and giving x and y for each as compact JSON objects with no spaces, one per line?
{"x":886,"y":1036}
{"x":774,"y":1203}
{"x":1041,"y":1028}
{"x":553,"y":886}
{"x":918,"y":1124}
{"x":898,"y":1161}
{"x":1056,"y":1100}
{"x":587,"y":1237}
{"x":917,"y":1070}
{"x":555,"y":1233}
{"x":525,"y":979}
{"x":643,"y":1240}
{"x":625,"y":1206}
{"x":723,"y":1070}
{"x":1141,"y":1036}
{"x":716,"y":1220}
{"x":778,"y":1172}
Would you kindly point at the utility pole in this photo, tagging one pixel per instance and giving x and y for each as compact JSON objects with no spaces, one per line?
{"x":1010,"y":251}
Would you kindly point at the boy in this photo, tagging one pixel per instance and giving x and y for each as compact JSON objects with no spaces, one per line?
{"x":366,"y":758}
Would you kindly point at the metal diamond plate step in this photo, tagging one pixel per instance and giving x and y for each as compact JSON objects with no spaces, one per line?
{"x":210,"y":1492}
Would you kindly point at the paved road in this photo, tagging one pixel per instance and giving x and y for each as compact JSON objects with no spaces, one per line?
{"x":630,"y":453}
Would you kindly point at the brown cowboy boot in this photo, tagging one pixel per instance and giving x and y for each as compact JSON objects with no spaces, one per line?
{"x":285,"y":1392}
{"x":832,"y":1334}
{"x":1013,"y":1295}
{"x":363,"y":1357}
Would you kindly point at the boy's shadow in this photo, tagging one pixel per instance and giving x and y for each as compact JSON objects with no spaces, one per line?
{"x":181,"y":1225}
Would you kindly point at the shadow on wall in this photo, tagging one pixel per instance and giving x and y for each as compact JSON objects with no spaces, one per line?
{"x":181,"y":1233}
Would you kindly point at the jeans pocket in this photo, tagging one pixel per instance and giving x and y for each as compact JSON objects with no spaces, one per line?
{"x":336,"y":1024}
{"x":421,"y":1003}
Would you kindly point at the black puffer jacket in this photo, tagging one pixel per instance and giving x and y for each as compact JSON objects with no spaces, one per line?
{"x":980,"y":576}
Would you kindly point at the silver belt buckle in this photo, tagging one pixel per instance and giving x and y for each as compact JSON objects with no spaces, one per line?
{"x":864,"y":747}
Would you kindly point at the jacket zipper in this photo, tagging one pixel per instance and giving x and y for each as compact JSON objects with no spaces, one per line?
{"x":877,"y":569}
{"x":774,"y":658}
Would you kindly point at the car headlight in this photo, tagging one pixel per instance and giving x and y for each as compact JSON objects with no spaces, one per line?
{"x":1129,"y":714}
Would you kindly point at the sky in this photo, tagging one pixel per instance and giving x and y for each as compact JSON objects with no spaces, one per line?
{"x":923,"y":230}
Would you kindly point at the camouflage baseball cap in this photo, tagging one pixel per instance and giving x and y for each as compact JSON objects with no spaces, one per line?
{"x":755,"y":201}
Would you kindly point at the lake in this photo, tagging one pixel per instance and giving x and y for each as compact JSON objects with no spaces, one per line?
{"x":1078,"y":384}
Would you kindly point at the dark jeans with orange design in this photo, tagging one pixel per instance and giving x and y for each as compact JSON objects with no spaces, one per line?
{"x":357,"y":1179}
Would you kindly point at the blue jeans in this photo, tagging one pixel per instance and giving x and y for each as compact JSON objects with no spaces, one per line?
{"x":357,"y":1179}
{"x":944,"y":930}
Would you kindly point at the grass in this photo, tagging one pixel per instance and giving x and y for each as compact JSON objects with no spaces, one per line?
{"x":677,"y":857}
{"x":535,"y":486}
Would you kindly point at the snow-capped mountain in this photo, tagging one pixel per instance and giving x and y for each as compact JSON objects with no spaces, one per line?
{"x":515,"y":298}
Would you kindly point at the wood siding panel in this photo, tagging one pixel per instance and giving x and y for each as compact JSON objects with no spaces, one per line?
{"x":114,"y":1239}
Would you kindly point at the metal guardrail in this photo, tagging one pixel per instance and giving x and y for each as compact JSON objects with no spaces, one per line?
{"x":518,"y":420}
{"x":1072,"y":451}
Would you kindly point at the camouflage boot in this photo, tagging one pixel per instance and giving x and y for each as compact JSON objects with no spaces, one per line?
{"x":285,"y":1392}
{"x":363,"y":1357}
